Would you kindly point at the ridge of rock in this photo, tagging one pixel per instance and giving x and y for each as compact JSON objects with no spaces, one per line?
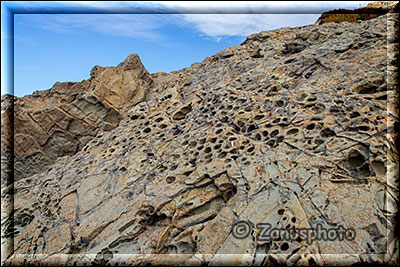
{"x":372,"y":10}
{"x":60,"y":121}
{"x":294,"y":128}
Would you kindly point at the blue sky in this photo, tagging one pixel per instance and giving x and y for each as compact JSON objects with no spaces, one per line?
{"x":64,"y":47}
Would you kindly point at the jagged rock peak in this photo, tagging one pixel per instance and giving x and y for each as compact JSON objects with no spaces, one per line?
{"x":58,"y":122}
{"x":123,"y":86}
{"x":131,"y":62}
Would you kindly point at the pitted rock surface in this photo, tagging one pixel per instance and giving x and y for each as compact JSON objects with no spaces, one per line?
{"x":295,"y":128}
{"x":60,"y":121}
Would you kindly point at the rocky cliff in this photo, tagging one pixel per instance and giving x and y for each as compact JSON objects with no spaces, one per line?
{"x":295,"y":129}
{"x":60,"y":121}
{"x":372,"y":10}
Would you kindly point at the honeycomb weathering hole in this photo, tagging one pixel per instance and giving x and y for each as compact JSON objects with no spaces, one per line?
{"x":170,"y":179}
{"x":181,"y":114}
{"x":292,"y":131}
{"x":355,"y":159}
{"x":378,"y":167}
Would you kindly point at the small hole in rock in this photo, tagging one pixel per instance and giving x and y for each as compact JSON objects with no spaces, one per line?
{"x":251,"y":128}
{"x":292,"y":131}
{"x":193,"y":144}
{"x":355,"y":114}
{"x":318,"y":141}
{"x":310,"y":126}
{"x":355,"y":159}
{"x":364,"y":170}
{"x":378,"y":167}
{"x":222,"y":155}
{"x":274,"y":133}
{"x":363,"y":128}
{"x":234,"y":151}
{"x":170,"y":179}
{"x":285,"y":246}
{"x":326,"y":132}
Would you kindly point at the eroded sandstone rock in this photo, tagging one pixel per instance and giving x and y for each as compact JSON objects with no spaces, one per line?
{"x":121,"y":86}
{"x":60,"y":121}
{"x":263,"y":132}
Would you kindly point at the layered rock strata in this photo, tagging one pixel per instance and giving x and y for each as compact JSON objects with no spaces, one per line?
{"x":60,"y":121}
{"x":295,"y":128}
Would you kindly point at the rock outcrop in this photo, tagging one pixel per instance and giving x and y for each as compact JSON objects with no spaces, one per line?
{"x":121,"y":86}
{"x":59,"y":122}
{"x":295,"y":129}
{"x":382,"y":4}
{"x":372,"y":10}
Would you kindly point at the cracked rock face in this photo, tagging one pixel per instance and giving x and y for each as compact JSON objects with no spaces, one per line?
{"x":60,"y":121}
{"x":121,"y":86}
{"x":294,"y":128}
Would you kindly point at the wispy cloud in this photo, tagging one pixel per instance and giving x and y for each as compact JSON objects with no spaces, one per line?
{"x":249,"y":20}
{"x":20,"y":38}
{"x":216,"y":26}
{"x":257,"y":7}
{"x":221,"y":25}
{"x":144,"y":26}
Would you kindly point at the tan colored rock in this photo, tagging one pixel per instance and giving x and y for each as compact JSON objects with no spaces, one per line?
{"x":382,"y":4}
{"x":121,"y":86}
{"x":298,"y":137}
{"x":60,"y":121}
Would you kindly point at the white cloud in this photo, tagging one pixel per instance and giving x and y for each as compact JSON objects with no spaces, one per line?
{"x":248,"y":22}
{"x":221,"y":25}
{"x":254,"y":6}
{"x":143,"y":26}
{"x":148,"y":26}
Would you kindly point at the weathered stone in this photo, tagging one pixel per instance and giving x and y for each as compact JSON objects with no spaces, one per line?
{"x":289,"y":137}
{"x":60,"y":121}
{"x":121,"y":86}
